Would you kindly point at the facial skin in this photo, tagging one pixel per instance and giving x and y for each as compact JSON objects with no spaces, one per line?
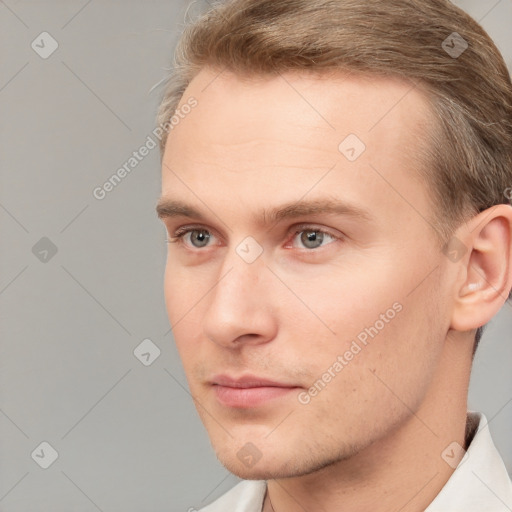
{"x":381,"y":423}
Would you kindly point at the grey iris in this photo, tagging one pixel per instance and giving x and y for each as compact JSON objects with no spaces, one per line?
{"x":199,"y":238}
{"x":312,"y":239}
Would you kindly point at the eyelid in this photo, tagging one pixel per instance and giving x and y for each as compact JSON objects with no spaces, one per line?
{"x":315,"y":227}
{"x":297,"y":229}
{"x":192,"y":227}
{"x":180,"y":233}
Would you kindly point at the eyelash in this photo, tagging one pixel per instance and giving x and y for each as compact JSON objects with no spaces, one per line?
{"x":180,"y":233}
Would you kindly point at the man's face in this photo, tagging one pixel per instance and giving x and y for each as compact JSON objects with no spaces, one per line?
{"x":345,"y":305}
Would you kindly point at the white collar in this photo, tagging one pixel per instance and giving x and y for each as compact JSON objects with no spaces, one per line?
{"x":480,"y":482}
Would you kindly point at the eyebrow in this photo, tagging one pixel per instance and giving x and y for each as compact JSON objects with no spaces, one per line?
{"x":168,"y":208}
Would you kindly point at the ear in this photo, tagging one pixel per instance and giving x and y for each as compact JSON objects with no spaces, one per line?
{"x":485,"y":267}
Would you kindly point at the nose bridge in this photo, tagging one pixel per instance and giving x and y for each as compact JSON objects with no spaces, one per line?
{"x":239,"y":282}
{"x":240,"y":301}
{"x":243,"y":267}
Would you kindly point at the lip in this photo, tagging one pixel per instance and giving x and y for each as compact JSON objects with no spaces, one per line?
{"x":248,"y":381}
{"x":248,"y":390}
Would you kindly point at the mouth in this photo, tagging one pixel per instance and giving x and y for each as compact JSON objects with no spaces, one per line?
{"x":248,"y":391}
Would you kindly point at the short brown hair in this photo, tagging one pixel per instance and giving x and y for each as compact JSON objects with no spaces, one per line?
{"x":466,"y":157}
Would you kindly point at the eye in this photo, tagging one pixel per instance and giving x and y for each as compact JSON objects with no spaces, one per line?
{"x":313,"y":238}
{"x":194,"y":237}
{"x":305,"y":237}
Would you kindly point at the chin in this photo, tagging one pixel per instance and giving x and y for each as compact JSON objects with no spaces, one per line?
{"x":275,"y":468}
{"x":259,"y":471}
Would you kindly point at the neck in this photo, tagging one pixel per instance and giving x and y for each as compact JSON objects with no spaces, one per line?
{"x":403,"y":471}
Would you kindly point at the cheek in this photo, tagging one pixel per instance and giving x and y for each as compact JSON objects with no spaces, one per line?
{"x":341,"y":302}
{"x":172,"y":293}
{"x":173,"y":302}
{"x":182,"y":291}
{"x":362,"y":332}
{"x":180,"y":297}
{"x":362,"y":389}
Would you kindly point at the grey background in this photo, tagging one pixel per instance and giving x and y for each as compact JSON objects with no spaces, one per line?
{"x":127,"y":435}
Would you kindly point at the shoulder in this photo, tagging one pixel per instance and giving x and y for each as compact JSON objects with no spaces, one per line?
{"x":246,"y":496}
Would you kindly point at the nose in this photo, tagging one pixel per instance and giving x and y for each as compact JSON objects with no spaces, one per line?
{"x":241,"y":309}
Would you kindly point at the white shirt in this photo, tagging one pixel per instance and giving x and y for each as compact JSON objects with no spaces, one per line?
{"x":480,"y":483}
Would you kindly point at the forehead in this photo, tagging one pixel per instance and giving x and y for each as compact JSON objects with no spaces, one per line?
{"x":266,"y":138}
{"x":296,"y":108}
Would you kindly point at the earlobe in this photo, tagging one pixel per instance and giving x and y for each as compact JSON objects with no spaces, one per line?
{"x":487,"y":270}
